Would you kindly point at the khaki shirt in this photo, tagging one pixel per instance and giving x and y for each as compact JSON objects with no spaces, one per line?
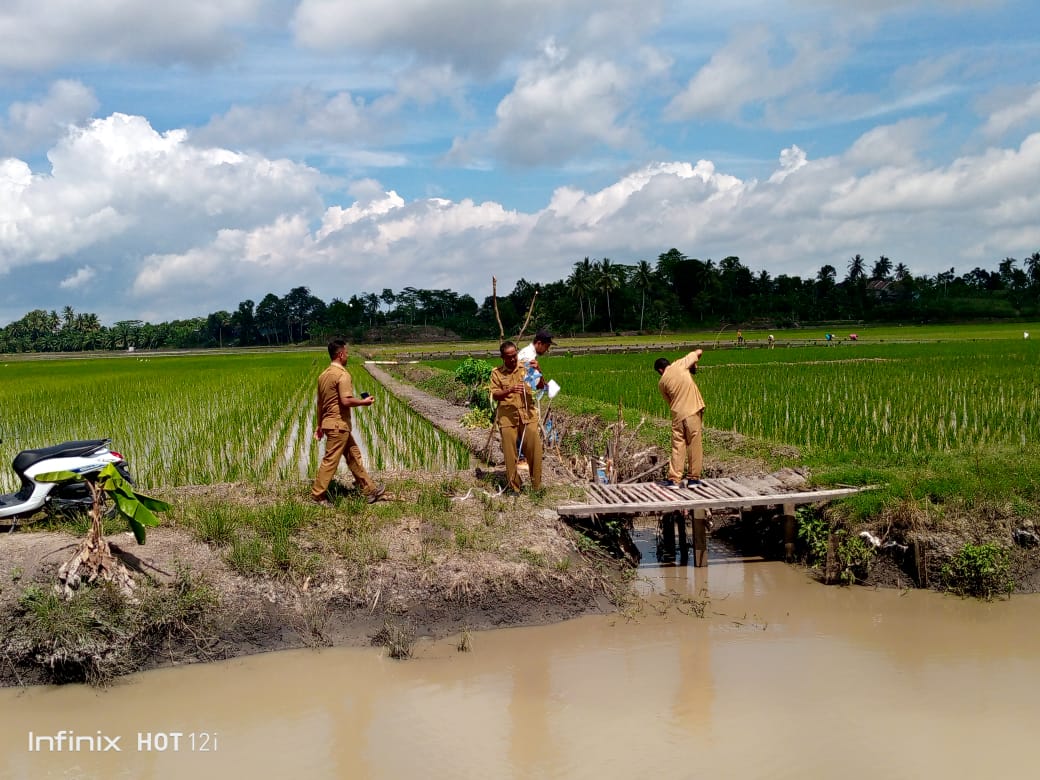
{"x":679,"y":389}
{"x":518,"y":409}
{"x":334,"y":387}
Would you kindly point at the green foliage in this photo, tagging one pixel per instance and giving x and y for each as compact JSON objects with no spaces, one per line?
{"x":814,"y":531}
{"x":476,"y":375}
{"x":853,"y":555}
{"x":982,"y":570}
{"x":477,"y":418}
{"x":137,"y":508}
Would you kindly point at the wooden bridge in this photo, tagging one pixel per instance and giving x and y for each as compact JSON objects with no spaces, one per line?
{"x":649,"y":498}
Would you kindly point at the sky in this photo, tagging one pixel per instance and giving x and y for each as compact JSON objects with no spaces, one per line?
{"x":165,"y":160}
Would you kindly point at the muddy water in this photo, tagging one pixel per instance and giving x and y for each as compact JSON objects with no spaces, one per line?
{"x":780,"y":677}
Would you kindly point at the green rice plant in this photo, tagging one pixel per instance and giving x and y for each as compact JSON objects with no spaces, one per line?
{"x":203,"y":419}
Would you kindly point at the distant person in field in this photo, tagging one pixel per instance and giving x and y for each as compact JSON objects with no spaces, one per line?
{"x":772,"y":341}
{"x":529,"y":355}
{"x":517,"y":417}
{"x":687,"y":407}
{"x":335,"y":400}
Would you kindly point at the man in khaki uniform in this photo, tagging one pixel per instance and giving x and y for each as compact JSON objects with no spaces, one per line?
{"x":517,"y":417}
{"x":335,"y":400}
{"x":687,"y":407}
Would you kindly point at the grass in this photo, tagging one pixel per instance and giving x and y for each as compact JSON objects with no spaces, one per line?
{"x":99,"y":633}
{"x":727,"y":336}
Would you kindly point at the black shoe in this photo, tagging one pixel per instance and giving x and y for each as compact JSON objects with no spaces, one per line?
{"x":376,"y":494}
{"x":668,"y":483}
{"x":691,"y":482}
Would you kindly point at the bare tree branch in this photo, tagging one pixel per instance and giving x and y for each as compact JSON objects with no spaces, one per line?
{"x":498,"y":317}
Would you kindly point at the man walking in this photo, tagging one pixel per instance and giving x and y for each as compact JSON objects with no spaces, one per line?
{"x":687,"y":408}
{"x":335,"y":400}
{"x":517,"y":417}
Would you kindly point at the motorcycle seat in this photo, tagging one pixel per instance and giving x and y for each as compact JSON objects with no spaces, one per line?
{"x":70,"y":449}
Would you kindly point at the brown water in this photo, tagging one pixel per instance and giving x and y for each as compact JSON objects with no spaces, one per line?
{"x":782,"y":677}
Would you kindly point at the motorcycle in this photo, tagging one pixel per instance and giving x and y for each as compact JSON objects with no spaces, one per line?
{"x":80,"y":457}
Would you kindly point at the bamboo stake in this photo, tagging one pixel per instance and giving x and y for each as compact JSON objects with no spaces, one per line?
{"x":498,"y":317}
{"x":527,"y":319}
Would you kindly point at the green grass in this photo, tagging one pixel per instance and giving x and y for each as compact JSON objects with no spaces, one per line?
{"x":727,"y":336}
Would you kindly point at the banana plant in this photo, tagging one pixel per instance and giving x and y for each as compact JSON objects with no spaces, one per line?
{"x":94,"y":560}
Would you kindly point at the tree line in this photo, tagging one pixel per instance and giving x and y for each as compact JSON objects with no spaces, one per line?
{"x":597,"y":296}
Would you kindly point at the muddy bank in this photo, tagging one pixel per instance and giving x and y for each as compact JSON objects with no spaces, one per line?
{"x":444,"y":554}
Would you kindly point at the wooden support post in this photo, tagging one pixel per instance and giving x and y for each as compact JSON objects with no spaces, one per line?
{"x":683,"y":543}
{"x":700,"y":538}
{"x":790,"y":531}
{"x":666,"y":551}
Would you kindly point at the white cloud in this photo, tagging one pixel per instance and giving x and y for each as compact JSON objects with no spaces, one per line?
{"x":755,"y":66}
{"x":30,"y":126}
{"x":557,"y":110}
{"x":474,"y":35}
{"x":117,"y":182}
{"x":895,"y":144}
{"x":81,"y":278}
{"x":303,"y":116}
{"x":199,"y":228}
{"x":38,"y":34}
{"x":1021,"y":110}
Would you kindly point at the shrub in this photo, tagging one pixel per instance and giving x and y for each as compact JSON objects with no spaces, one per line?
{"x":475,"y":374}
{"x":982,"y":570}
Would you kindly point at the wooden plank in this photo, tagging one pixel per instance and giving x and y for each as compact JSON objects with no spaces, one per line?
{"x":739,"y":488}
{"x":705,"y":490}
{"x":641,"y":493}
{"x":676,"y":502}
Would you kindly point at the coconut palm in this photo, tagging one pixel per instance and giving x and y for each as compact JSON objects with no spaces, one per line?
{"x":643,"y":278}
{"x":608,"y":277}
{"x":882,"y":269}
{"x":580,"y":284}
{"x":856,"y":268}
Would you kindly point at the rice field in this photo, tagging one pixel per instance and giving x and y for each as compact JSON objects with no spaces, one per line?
{"x":891,"y":401}
{"x":203,"y":419}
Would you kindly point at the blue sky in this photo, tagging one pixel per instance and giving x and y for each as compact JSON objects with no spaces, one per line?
{"x":161,"y":162}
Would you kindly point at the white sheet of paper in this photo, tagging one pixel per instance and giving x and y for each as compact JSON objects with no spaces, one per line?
{"x":553,"y":388}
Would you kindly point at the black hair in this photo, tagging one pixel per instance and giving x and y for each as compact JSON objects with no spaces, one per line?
{"x":661,"y":364}
{"x":504,"y":344}
{"x":335,"y":346}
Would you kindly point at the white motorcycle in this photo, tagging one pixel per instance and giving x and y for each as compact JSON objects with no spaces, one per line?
{"x":80,"y":457}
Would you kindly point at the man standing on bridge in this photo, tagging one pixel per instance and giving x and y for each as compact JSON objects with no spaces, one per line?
{"x":687,"y":408}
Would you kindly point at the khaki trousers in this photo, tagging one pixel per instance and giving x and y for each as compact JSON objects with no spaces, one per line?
{"x":687,"y":448}
{"x":532,"y":453}
{"x":340,"y":444}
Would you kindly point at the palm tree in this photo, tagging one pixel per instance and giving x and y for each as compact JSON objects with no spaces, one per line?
{"x":580,"y":284}
{"x":902,"y":272}
{"x":608,"y":277}
{"x":1033,"y":268}
{"x":856,"y":266}
{"x":643,"y":278}
{"x":882,"y":269}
